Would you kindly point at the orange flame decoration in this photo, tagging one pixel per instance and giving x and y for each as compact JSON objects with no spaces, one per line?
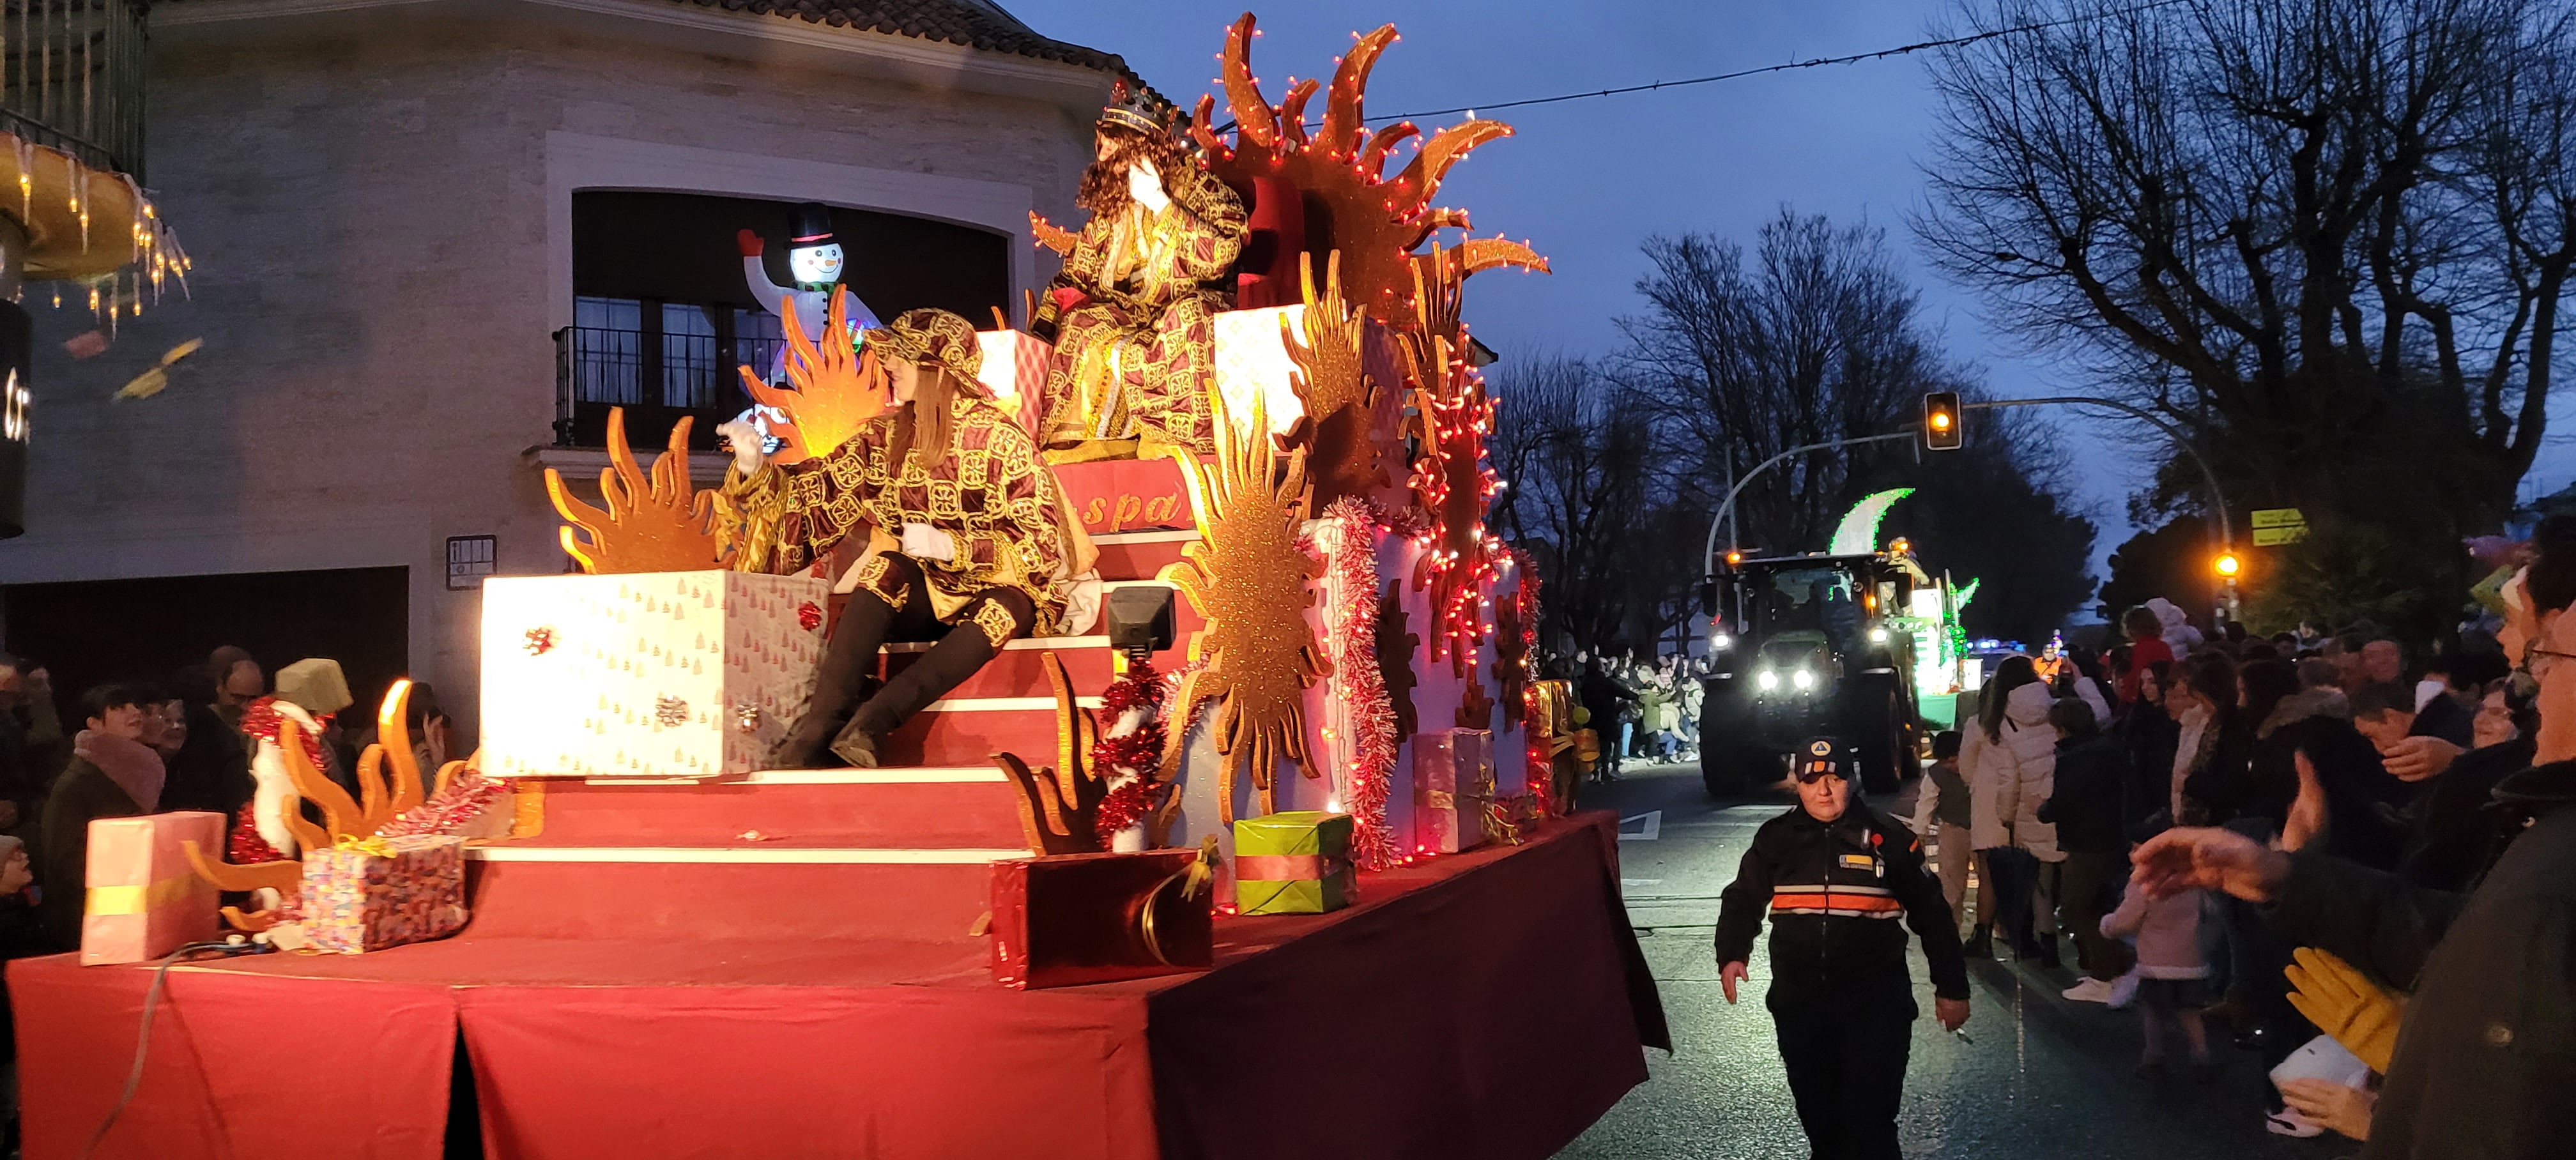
{"x":837,"y":388}
{"x":378,"y":803}
{"x":1376,"y":222}
{"x":658,"y":524}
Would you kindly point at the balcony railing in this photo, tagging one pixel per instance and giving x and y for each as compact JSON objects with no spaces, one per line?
{"x":661,"y":362}
{"x":71,"y":77}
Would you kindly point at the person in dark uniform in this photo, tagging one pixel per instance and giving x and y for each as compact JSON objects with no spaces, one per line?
{"x":1837,"y":877}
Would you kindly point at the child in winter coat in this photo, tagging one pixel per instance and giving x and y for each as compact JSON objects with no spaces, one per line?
{"x":2171,"y":973}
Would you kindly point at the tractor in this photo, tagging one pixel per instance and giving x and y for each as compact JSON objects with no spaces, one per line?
{"x":1804,"y":646}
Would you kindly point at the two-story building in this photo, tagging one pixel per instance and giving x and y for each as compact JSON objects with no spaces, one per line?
{"x":434,"y":240}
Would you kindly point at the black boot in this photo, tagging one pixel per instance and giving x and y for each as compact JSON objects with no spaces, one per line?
{"x":846,"y":677}
{"x":956,"y":657}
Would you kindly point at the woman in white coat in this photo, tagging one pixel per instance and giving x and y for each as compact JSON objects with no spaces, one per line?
{"x":2010,"y":761}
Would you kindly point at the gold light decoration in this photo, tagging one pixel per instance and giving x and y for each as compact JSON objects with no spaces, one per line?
{"x":1376,"y":222}
{"x":658,"y":524}
{"x":1248,"y":578}
{"x":1332,"y":381}
{"x":838,"y":389}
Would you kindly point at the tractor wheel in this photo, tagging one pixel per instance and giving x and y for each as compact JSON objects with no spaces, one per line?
{"x":1883,"y":733}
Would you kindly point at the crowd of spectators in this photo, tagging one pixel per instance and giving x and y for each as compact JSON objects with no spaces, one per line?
{"x":2282,"y":842}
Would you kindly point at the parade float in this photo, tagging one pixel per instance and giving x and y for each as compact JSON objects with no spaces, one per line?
{"x":1275,"y":802}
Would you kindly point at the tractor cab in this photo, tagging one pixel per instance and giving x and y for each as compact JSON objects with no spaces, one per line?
{"x":1807,"y":645}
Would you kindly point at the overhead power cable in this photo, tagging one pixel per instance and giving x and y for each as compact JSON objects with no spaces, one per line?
{"x":1820,"y":62}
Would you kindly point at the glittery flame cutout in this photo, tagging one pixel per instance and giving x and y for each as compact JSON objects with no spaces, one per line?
{"x":1376,"y":221}
{"x":1341,"y":428}
{"x":656,"y":524}
{"x":1248,"y":578}
{"x":838,"y":389}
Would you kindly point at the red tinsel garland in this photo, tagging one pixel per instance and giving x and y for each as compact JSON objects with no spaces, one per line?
{"x":1140,"y":750}
{"x":244,"y":846}
{"x":1350,"y":641}
{"x":260,"y":721}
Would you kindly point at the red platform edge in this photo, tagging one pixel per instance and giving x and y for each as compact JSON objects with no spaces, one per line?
{"x":1502,"y":993}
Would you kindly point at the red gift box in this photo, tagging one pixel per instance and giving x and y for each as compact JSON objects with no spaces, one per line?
{"x":1069,"y":919}
{"x":144,"y":897}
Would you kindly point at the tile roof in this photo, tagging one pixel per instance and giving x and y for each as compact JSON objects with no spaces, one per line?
{"x":973,"y":23}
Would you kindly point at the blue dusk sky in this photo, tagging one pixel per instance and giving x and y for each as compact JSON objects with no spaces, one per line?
{"x":1587,"y":181}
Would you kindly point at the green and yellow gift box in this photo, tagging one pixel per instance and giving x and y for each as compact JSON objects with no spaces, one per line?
{"x":1294,"y":863}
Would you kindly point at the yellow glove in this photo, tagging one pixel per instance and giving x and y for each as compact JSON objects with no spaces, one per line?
{"x":2345,"y":1005}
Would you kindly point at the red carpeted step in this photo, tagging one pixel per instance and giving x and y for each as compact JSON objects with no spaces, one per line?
{"x":969,"y":806}
{"x":971,"y":731}
{"x":1138,"y":555}
{"x":522,"y":892}
{"x":1020,"y":670}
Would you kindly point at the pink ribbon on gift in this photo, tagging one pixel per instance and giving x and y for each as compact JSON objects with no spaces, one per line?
{"x":1284,"y":867}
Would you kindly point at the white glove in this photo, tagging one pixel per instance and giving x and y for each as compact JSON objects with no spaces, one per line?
{"x":1146,"y":186}
{"x":749,"y":444}
{"x":923,"y":542}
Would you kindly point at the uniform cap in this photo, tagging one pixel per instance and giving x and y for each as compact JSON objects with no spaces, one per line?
{"x":1821,"y":756}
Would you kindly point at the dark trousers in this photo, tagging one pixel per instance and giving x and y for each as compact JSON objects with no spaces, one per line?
{"x":2088,"y":886}
{"x":850,"y":660}
{"x":1845,"y":1053}
{"x":2016,"y":876}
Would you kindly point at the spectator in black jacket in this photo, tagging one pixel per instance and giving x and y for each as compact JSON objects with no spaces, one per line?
{"x":2385,"y":712}
{"x":2150,"y":734}
{"x":2448,"y":830}
{"x":2084,"y":805}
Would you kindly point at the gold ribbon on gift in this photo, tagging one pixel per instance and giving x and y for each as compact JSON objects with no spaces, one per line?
{"x":1500,"y":829}
{"x":113,"y":900}
{"x":1193,"y":878}
{"x":371,"y":845}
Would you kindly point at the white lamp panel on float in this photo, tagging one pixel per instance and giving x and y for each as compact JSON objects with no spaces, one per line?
{"x":645,"y":675}
{"x":1253,"y":363}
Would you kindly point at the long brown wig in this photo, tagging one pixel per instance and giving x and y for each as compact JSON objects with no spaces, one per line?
{"x":1104,"y":184}
{"x":926,"y":420}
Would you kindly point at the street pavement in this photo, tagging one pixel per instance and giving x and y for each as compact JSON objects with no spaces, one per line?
{"x":2043,"y":1077}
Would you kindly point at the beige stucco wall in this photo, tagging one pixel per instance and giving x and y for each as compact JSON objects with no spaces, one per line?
{"x":380,"y":253}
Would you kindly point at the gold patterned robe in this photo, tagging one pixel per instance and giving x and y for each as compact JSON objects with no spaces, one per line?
{"x":1139,"y":357}
{"x":989,"y":492}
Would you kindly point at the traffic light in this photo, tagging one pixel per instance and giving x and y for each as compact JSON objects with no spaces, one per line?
{"x":1941,"y":430}
{"x":2227,"y":565}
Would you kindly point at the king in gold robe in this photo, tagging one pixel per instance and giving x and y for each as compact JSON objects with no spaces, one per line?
{"x":1132,"y":314}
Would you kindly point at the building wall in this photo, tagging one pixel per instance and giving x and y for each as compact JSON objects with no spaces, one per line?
{"x":377,"y":204}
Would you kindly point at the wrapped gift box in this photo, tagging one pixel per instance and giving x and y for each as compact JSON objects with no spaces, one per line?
{"x":1294,"y":863}
{"x":1014,"y":369}
{"x":645,"y":675}
{"x":1453,"y":788}
{"x":144,"y":898}
{"x":1069,"y":919}
{"x":384,"y":892}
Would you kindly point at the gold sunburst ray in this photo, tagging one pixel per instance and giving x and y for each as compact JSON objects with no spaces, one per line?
{"x":1248,"y":579}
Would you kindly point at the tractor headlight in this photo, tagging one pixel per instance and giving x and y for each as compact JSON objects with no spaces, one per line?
{"x":1803,"y":679}
{"x":1878,"y":636}
{"x":1768,"y":680}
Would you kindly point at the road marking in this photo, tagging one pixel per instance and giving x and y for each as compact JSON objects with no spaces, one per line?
{"x":1625,"y":883}
{"x":1654,"y":820}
